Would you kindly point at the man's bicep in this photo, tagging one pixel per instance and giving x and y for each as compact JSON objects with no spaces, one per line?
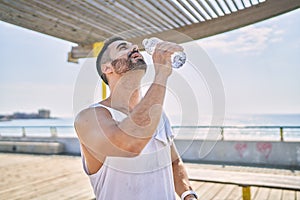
{"x":96,"y":129}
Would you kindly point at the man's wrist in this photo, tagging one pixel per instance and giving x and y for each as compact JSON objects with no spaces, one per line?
{"x":189,"y":195}
{"x":160,"y":79}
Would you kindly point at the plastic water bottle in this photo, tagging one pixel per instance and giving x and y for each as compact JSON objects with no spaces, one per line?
{"x":177,"y":58}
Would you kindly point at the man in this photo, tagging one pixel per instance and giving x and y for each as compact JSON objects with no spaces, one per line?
{"x":126,"y":139}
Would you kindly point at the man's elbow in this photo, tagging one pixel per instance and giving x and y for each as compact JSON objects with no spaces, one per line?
{"x":177,"y":162}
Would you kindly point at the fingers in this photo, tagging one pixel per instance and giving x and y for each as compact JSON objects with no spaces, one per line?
{"x":162,"y":57}
{"x":168,"y":47}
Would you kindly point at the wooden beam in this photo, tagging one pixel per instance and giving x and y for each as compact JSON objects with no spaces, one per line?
{"x":241,"y":18}
{"x":256,"y":13}
{"x":27,"y":15}
{"x":82,"y":51}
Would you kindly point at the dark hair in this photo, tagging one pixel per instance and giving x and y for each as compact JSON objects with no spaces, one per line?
{"x":99,"y":62}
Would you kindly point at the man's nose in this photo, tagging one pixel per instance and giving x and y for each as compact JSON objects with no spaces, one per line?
{"x":134,"y":47}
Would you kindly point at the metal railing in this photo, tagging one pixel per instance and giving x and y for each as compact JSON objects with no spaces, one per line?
{"x":42,"y":131}
{"x":222,"y":132}
{"x":225,"y":131}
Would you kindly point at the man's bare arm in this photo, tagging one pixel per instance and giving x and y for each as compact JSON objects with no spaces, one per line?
{"x":181,"y":180}
{"x":103,"y":136}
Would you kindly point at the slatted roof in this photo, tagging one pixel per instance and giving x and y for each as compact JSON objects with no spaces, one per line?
{"x":88,"y":21}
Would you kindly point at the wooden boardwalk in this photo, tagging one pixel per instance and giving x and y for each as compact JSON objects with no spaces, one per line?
{"x":24,"y":176}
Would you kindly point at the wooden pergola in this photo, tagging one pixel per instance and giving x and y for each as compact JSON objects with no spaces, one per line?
{"x":88,"y":22}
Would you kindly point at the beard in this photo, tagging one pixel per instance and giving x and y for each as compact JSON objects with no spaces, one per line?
{"x":122,"y":65}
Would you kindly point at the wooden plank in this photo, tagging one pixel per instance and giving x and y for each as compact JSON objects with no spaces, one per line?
{"x":254,"y":191}
{"x":62,"y":177}
{"x":262,"y":194}
{"x":179,"y":18}
{"x":242,"y":178}
{"x":198,"y":10}
{"x":241,"y":18}
{"x":220,"y":7}
{"x":22,"y":190}
{"x":41,"y":166}
{"x":158,"y":13}
{"x":275,"y":194}
{"x":84,"y":194}
{"x":142,"y":5}
{"x":298,"y":195}
{"x":235,"y":5}
{"x":178,"y":10}
{"x":83,"y":15}
{"x":228,"y":6}
{"x":196,"y":184}
{"x":158,"y":9}
{"x":201,"y":191}
{"x":131,"y":15}
{"x":221,"y":24}
{"x":213,"y":191}
{"x":206,"y":9}
{"x":256,"y":13}
{"x":189,"y":10}
{"x":235,"y":194}
{"x":212,"y":8}
{"x":147,"y":19}
{"x":288,"y":195}
{"x":72,"y":20}
{"x":225,"y":192}
{"x":31,"y":190}
{"x":244,"y":6}
{"x":114,"y":20}
{"x":49,"y":26}
{"x":9,"y":183}
{"x":51,"y":174}
{"x":65,"y":189}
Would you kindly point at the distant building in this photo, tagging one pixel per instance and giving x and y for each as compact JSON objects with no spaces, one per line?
{"x":4,"y":118}
{"x":43,"y":113}
{"x":19,"y":115}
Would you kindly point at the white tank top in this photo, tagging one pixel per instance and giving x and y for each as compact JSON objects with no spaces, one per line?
{"x":147,"y":176}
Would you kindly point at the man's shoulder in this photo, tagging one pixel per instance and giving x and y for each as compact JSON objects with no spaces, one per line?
{"x":90,"y":114}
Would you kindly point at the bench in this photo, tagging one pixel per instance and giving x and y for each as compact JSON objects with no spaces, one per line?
{"x":34,"y":147}
{"x":245,"y":180}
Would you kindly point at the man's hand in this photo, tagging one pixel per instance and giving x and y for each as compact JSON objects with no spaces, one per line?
{"x":162,"y":57}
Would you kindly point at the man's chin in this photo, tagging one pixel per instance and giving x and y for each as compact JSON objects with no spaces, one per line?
{"x":139,"y":65}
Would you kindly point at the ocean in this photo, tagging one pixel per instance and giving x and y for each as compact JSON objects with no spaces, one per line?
{"x":262,"y":122}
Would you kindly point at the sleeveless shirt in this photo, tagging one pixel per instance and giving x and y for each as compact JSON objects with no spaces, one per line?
{"x":146,"y":176}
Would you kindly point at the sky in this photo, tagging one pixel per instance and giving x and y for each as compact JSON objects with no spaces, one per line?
{"x":258,"y":66}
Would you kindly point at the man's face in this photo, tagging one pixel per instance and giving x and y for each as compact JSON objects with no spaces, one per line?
{"x":125,"y":57}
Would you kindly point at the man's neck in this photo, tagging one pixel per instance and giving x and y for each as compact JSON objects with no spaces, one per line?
{"x":125,"y":94}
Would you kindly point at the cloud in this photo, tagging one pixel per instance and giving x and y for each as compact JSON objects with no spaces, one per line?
{"x":250,"y":39}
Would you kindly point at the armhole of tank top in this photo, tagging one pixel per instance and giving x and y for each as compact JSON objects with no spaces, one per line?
{"x":84,"y":163}
{"x":85,"y":167}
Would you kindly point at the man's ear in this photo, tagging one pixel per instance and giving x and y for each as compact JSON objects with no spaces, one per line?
{"x":106,"y":68}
